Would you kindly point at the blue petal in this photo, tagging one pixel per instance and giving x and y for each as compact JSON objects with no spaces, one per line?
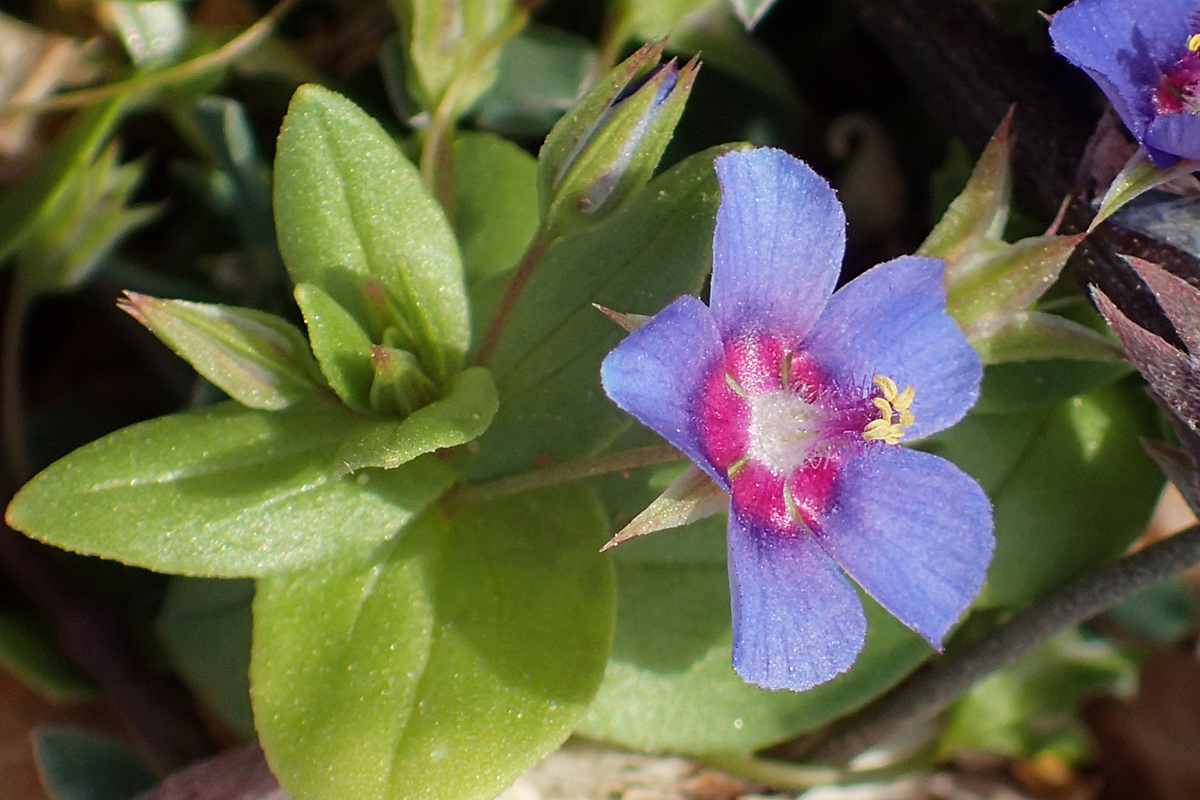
{"x":658,"y":371}
{"x":892,"y":321}
{"x":1124,"y":45}
{"x":914,"y":531}
{"x":797,"y":621}
{"x":777,"y":247}
{"x":1173,"y":136}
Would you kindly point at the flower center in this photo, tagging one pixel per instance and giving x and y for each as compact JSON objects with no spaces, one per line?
{"x":783,"y":430}
{"x":1179,"y":88}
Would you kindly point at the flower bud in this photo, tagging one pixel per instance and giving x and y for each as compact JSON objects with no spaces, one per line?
{"x":609,"y":144}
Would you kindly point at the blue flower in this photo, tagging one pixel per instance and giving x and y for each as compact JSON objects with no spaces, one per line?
{"x":793,"y":399}
{"x":1145,"y":56}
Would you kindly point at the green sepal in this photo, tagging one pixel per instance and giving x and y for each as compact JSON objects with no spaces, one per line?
{"x":256,"y":358}
{"x":980,"y":212}
{"x":350,"y":208}
{"x":1037,"y":336}
{"x":620,"y":152}
{"x":1005,"y":280}
{"x":78,"y":230}
{"x":224,"y":491}
{"x":446,"y":663}
{"x":341,"y":346}
{"x":462,"y":415}
{"x":1138,"y":176}
{"x":399,"y":386}
{"x":27,"y":201}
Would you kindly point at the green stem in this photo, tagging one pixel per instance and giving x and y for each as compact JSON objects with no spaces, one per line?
{"x":436,"y":163}
{"x":512,"y":292}
{"x":781,"y":776}
{"x":230,"y":51}
{"x":932,"y":688}
{"x":565,"y":473}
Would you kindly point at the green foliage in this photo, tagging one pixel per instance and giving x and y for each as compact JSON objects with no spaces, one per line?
{"x":443,"y":664}
{"x":29,"y":652}
{"x":1024,"y":457}
{"x":204,"y":626}
{"x":658,"y":246}
{"x":224,"y":491}
{"x":80,"y":765}
{"x":350,"y":208}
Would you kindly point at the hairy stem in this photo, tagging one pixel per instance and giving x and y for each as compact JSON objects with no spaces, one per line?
{"x":564,"y":473}
{"x":508,"y":300}
{"x":226,"y":53}
{"x":932,"y":688}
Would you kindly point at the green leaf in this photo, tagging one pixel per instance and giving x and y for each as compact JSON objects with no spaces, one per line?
{"x":80,"y":765}
{"x":340,"y":344}
{"x":444,"y":665}
{"x":154,"y":32}
{"x":655,"y":19}
{"x":349,"y":208}
{"x":29,"y":199}
{"x":29,"y":652}
{"x":224,"y":491}
{"x":1045,"y":536}
{"x":443,"y":38}
{"x":256,"y":358}
{"x":1031,"y":706}
{"x":495,"y":203}
{"x":547,"y":363}
{"x":462,"y":415}
{"x":204,"y":626}
{"x":670,"y":686}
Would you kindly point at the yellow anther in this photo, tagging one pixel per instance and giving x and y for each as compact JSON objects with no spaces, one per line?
{"x":894,"y":414}
{"x":886,"y":385}
{"x":1193,"y":42}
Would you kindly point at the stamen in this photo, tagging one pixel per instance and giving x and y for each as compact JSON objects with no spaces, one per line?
{"x":894,"y":414}
{"x":738,"y":390}
{"x":1193,"y":42}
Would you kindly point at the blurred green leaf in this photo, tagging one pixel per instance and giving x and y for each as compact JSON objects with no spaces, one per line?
{"x":443,"y":39}
{"x":495,"y":204}
{"x":540,"y":75}
{"x":751,"y":11}
{"x":77,"y":231}
{"x":459,"y":417}
{"x":29,"y":652}
{"x":547,"y":363}
{"x":76,"y":764}
{"x":224,"y":491}
{"x":1030,"y":706}
{"x":1037,"y":336}
{"x":1046,"y":536}
{"x":1163,"y":613}
{"x":445,"y":664}
{"x":349,"y":208}
{"x":204,"y":625}
{"x":1018,"y":386}
{"x":652,"y":19}
{"x":670,"y":686}
{"x":31,"y":198}
{"x":256,"y":358}
{"x":153,"y":32}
